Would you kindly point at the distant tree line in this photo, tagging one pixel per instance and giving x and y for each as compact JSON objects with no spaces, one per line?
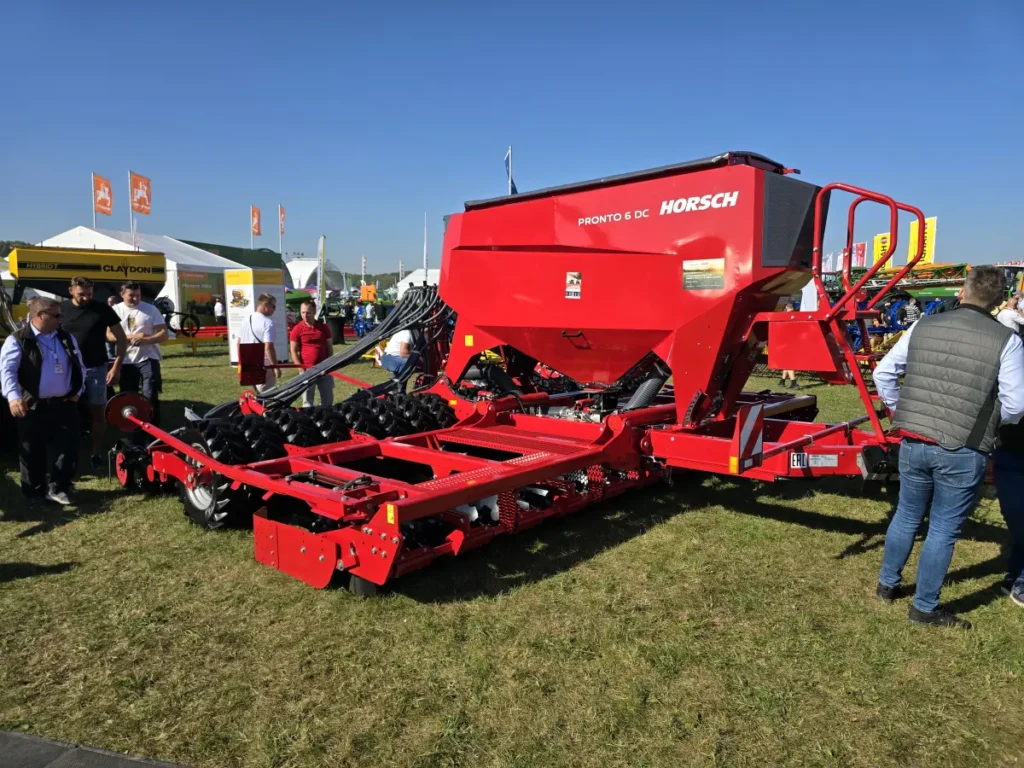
{"x":6,"y":246}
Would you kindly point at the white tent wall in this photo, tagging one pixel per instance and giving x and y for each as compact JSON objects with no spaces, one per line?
{"x":416,"y":278}
{"x":302,"y":273}
{"x":180,"y":257}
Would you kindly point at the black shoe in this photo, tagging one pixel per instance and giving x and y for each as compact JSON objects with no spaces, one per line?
{"x":794,"y":385}
{"x":938,"y":618}
{"x":782,"y":382}
{"x":889,"y":594}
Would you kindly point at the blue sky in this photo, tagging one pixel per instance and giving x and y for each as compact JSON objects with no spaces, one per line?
{"x":360,"y":117}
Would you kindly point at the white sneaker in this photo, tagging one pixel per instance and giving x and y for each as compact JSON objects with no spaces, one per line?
{"x":58,"y":497}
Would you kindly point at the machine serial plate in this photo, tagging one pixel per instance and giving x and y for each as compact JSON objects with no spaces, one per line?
{"x":805,"y":461}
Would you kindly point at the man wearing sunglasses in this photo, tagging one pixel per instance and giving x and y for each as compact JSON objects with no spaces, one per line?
{"x":42,"y":376}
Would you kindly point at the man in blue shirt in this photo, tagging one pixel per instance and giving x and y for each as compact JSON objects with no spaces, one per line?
{"x":963,"y":377}
{"x":42,"y":376}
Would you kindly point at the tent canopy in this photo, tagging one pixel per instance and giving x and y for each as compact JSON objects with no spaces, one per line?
{"x":433,"y":277}
{"x":177,"y":254}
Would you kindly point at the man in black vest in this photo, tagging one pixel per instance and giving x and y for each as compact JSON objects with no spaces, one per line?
{"x":42,"y":377}
{"x":963,"y":377}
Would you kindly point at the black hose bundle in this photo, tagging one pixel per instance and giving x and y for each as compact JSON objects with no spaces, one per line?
{"x":420,"y":307}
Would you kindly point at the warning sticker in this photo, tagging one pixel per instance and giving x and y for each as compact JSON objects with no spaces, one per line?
{"x":703,"y":274}
{"x":573,"y":284}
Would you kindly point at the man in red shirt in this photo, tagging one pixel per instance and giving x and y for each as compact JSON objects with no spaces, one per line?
{"x":310,"y":345}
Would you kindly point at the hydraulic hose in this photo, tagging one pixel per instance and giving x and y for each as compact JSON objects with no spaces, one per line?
{"x":417,"y":308}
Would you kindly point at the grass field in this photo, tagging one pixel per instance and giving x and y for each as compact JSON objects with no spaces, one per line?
{"x":716,"y":623}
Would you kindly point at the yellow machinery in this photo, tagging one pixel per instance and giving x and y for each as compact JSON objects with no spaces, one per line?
{"x":51,"y":269}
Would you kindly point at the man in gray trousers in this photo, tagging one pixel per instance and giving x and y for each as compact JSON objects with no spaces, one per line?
{"x":963,"y":377}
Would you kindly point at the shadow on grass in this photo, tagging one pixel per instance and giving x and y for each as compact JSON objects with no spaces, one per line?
{"x":558,"y":545}
{"x":744,"y":499}
{"x":14,"y":571}
{"x":48,"y":516}
{"x":539,"y":553}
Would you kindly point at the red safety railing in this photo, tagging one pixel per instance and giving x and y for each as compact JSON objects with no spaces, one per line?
{"x":894,"y":207}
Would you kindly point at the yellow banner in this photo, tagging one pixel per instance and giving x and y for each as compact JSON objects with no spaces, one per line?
{"x":255,"y":276}
{"x":881,"y":245}
{"x":929,"y":241}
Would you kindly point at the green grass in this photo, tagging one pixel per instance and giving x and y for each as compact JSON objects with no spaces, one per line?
{"x":720,"y":622}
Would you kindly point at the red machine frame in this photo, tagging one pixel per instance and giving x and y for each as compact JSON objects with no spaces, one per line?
{"x":496,"y":450}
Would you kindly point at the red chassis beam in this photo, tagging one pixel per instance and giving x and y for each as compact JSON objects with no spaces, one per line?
{"x":492,"y":454}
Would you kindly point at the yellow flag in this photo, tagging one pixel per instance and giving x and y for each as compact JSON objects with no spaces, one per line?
{"x":929,"y":241}
{"x":880,"y":246}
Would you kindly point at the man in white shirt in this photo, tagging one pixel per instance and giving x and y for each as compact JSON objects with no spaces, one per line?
{"x":951,"y":381}
{"x":397,"y":352}
{"x":258,"y":328}
{"x":1010,"y":315}
{"x":218,"y":312}
{"x":145,"y":328}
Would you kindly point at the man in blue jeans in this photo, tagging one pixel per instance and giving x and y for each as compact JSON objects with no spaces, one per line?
{"x":963,"y":377}
{"x":1009,"y":471}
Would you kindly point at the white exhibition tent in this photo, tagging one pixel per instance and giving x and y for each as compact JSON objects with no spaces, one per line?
{"x":179,"y":256}
{"x":415,"y":278}
{"x":303,"y":274}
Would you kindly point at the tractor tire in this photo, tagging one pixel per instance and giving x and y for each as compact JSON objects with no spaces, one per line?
{"x":297,"y":428}
{"x":389,"y":417}
{"x":332,"y":424}
{"x":360,"y":587}
{"x":217,"y":505}
{"x":359,"y":419}
{"x":263,"y":436}
{"x":416,"y":414}
{"x":438,"y":407}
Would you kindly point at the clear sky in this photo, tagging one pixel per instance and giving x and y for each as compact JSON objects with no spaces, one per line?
{"x":360,"y":117}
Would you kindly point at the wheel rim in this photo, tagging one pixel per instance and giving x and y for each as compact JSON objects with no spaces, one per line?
{"x":121,"y":469}
{"x":201,"y":496}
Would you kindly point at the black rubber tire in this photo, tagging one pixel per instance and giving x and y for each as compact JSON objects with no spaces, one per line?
{"x":332,"y":424}
{"x":217,"y":505}
{"x":297,"y":428}
{"x":360,"y":587}
{"x":438,"y":407}
{"x":189,"y":325}
{"x":263,"y":436}
{"x":360,"y":419}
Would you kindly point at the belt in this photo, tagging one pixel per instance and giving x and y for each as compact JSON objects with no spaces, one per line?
{"x":60,"y":399}
{"x":912,"y":437}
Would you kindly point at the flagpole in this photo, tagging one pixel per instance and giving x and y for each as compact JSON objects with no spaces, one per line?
{"x":92,"y":193}
{"x":425,"y":248}
{"x":131,"y":212}
{"x":280,"y":234}
{"x":510,"y":169}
